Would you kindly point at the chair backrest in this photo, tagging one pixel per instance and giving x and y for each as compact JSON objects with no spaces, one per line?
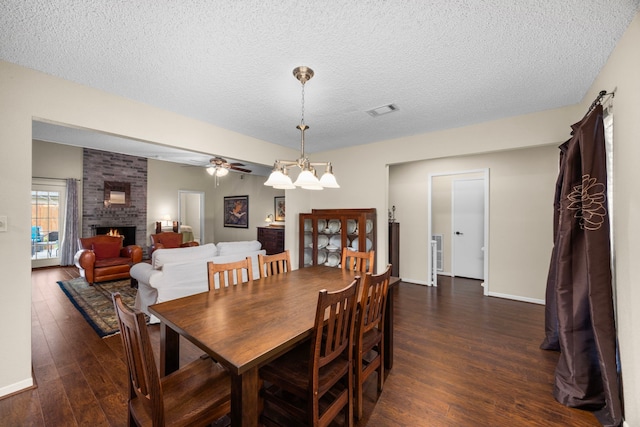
{"x":144,"y":380}
{"x":333,"y":328}
{"x":230,"y":273}
{"x":274,"y":264}
{"x":88,"y":242}
{"x":169,"y":239}
{"x":53,"y":236}
{"x":36,"y":233}
{"x":358,"y":261}
{"x":372,"y":302}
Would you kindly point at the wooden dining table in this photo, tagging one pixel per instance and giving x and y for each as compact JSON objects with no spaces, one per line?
{"x":245,"y":326}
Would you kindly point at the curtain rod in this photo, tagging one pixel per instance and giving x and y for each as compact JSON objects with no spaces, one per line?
{"x":48,"y":177}
{"x":598,"y":99}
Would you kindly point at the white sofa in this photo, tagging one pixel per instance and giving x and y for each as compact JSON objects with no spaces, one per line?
{"x":175,"y":273}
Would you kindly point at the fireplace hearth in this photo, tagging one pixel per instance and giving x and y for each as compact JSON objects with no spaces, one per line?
{"x":128,"y":232}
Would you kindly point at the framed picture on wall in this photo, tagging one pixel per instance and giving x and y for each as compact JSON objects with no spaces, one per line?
{"x":236,"y":211}
{"x":278,"y":208}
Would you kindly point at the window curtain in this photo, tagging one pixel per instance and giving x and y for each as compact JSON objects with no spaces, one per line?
{"x":69,"y":245}
{"x":579,"y":312}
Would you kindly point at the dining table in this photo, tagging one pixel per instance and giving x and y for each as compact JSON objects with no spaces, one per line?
{"x":246,"y":326}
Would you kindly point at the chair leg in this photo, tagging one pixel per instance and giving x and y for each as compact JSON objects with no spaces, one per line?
{"x":358,"y":405}
{"x":381,"y":367}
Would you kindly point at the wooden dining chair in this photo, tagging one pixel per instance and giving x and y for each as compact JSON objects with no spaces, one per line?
{"x":368,"y":355}
{"x":358,"y":261}
{"x":312,"y":386}
{"x":274,"y":264}
{"x":197,"y":394}
{"x":230,"y":273}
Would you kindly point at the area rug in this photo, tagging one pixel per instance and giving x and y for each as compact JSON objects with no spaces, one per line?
{"x":95,"y":303}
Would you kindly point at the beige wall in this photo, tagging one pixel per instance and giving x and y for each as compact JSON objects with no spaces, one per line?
{"x":521,"y":188}
{"x":361,"y":171}
{"x":260,"y":205}
{"x":57,"y":161}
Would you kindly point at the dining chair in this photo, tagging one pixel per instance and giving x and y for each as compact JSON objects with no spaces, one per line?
{"x":368,"y":355}
{"x":229,"y":273}
{"x":313,"y":382}
{"x":274,"y":264}
{"x":358,"y":261}
{"x":196,"y":394}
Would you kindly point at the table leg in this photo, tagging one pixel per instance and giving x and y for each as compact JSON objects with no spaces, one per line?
{"x":244,"y":399}
{"x":169,"y":350}
{"x":388,"y":329}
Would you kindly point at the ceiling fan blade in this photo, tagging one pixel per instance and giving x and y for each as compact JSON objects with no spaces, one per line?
{"x":236,"y":164}
{"x":240,"y":169}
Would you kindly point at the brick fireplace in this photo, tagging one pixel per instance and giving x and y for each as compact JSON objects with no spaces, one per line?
{"x":97,"y":215}
{"x":127,"y":232}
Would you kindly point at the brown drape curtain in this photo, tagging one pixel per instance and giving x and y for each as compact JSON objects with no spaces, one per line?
{"x":580,"y":320}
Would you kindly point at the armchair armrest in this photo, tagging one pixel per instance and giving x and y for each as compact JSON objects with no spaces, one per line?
{"x":85,"y":259}
{"x":134,"y":252}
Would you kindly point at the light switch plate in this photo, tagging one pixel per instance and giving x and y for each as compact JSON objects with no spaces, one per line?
{"x":3,"y":223}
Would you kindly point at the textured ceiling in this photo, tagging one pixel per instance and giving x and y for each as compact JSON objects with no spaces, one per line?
{"x":444,"y":64}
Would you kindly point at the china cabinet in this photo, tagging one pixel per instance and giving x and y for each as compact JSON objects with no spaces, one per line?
{"x":324,"y":232}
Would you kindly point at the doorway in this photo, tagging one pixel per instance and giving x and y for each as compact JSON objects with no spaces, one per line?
{"x":47,"y":221}
{"x":468,"y":230}
{"x":191,"y":213}
{"x":441,"y":223}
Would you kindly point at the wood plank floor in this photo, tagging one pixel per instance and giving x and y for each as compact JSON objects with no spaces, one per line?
{"x":461,"y":359}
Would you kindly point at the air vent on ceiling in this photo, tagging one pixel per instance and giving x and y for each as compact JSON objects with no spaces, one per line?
{"x":385,"y":109}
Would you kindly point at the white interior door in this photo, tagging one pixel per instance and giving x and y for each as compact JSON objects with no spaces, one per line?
{"x":468,"y":228}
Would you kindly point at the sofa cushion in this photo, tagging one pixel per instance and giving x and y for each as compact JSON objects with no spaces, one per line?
{"x":160,"y":257}
{"x":230,"y":248}
{"x":104,"y":250}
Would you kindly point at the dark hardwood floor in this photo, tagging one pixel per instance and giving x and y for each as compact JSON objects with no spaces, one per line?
{"x":461,"y":359}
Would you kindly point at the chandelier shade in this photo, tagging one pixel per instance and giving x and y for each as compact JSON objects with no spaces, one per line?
{"x":307,"y":179}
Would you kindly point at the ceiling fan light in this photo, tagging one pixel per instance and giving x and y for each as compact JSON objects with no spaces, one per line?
{"x":221,"y":171}
{"x":211,"y":170}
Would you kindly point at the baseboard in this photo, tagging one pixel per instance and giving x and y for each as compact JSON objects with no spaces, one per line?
{"x":14,"y":388}
{"x":516,"y":298}
{"x":415,"y":282}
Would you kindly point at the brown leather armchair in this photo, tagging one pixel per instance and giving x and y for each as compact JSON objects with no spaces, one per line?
{"x":167,"y":240}
{"x":103,"y":258}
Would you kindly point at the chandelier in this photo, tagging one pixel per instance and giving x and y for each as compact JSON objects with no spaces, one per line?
{"x":307,"y":178}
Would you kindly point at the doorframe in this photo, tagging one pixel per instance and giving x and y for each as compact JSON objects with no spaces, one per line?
{"x":59,"y":185}
{"x":485,"y":174}
{"x":201,"y":213}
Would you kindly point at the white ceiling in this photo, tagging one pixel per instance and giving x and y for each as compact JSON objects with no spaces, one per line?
{"x":444,"y":63}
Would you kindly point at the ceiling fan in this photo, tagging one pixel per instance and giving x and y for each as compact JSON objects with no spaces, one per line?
{"x":220,"y":167}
